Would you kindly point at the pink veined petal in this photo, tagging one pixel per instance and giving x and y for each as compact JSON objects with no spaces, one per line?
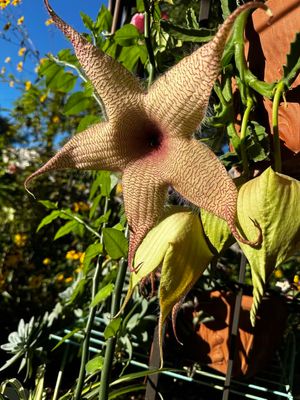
{"x":178,"y":99}
{"x":116,"y":86}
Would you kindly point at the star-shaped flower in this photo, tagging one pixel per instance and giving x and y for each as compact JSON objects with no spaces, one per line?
{"x":149,"y":135}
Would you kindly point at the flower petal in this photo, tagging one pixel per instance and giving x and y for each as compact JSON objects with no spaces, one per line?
{"x":144,"y":197}
{"x":117,"y":88}
{"x":93,"y":148}
{"x":197,"y":174}
{"x":273,"y":200}
{"x":179,"y":98}
{"x":185,"y":261}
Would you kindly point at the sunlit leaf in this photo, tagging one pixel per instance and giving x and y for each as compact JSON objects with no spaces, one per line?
{"x":127,"y":35}
{"x":76,"y":103}
{"x":91,"y":252}
{"x":66,"y":337}
{"x":102,"y":294}
{"x":115,"y":243}
{"x":93,"y":365}
{"x":48,"y":219}
{"x":112,"y":328}
{"x":48,"y":204}
{"x":65,"y":229}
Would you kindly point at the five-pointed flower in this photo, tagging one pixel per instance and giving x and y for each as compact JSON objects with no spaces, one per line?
{"x":149,"y":135}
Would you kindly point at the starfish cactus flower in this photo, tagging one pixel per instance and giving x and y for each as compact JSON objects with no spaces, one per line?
{"x":148,"y":135}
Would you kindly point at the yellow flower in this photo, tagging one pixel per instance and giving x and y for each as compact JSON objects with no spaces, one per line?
{"x":55,"y":119}
{"x":4,"y":3}
{"x":81,"y":259}
{"x":278,"y":273}
{"x":21,"y":51}
{"x":16,"y":2}
{"x":43,"y":98}
{"x":20,"y":20}
{"x":119,"y":189}
{"x":76,"y":207}
{"x":20,"y":239}
{"x":7,"y":60}
{"x":296,"y":279}
{"x":27,"y":85}
{"x":80,"y":206}
{"x":70,"y":255}
{"x":3,"y":70}
{"x":20,"y":66}
{"x":69,"y":279}
{"x":11,"y":83}
{"x":49,"y":22}
{"x":46,"y":261}
{"x":60,"y":277}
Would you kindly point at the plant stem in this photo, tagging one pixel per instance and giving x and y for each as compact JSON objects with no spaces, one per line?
{"x":111,"y":342}
{"x":88,"y":328}
{"x":276,"y":140}
{"x":147,"y":34}
{"x":90,"y":321}
{"x":243,"y":136}
{"x":80,"y":221}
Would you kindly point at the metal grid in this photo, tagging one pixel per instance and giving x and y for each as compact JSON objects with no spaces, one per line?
{"x":274,"y":382}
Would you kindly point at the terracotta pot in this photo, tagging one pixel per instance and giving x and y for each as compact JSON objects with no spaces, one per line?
{"x":209,"y":344}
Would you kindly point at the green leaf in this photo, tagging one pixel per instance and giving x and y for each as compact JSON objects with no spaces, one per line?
{"x":95,"y":204}
{"x":88,"y":22}
{"x":272,"y":200}
{"x":66,"y":229}
{"x":103,"y":219}
{"x":48,"y":219}
{"x":65,"y":82}
{"x":79,"y":289}
{"x":112,"y":328}
{"x":49,"y":204}
{"x":66,"y":337}
{"x":115,"y":243}
{"x":91,"y":252}
{"x":102,"y":294}
{"x":137,"y":375}
{"x":140,"y":6}
{"x":191,"y":19}
{"x":76,"y":103}
{"x":127,"y":35}
{"x":292,"y":67}
{"x":68,"y":56}
{"x":187,"y":34}
{"x":94,"y":365}
{"x":115,"y":394}
{"x":257,"y":142}
{"x":104,"y":20}
{"x":87,"y":121}
{"x":129,"y":57}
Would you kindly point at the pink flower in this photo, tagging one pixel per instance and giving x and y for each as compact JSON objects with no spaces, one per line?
{"x":164,"y":15}
{"x":138,"y":21}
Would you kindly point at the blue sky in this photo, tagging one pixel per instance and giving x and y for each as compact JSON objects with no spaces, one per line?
{"x":45,"y":38}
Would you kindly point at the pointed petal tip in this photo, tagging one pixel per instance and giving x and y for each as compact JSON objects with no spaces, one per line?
{"x":253,"y":243}
{"x":227,"y":25}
